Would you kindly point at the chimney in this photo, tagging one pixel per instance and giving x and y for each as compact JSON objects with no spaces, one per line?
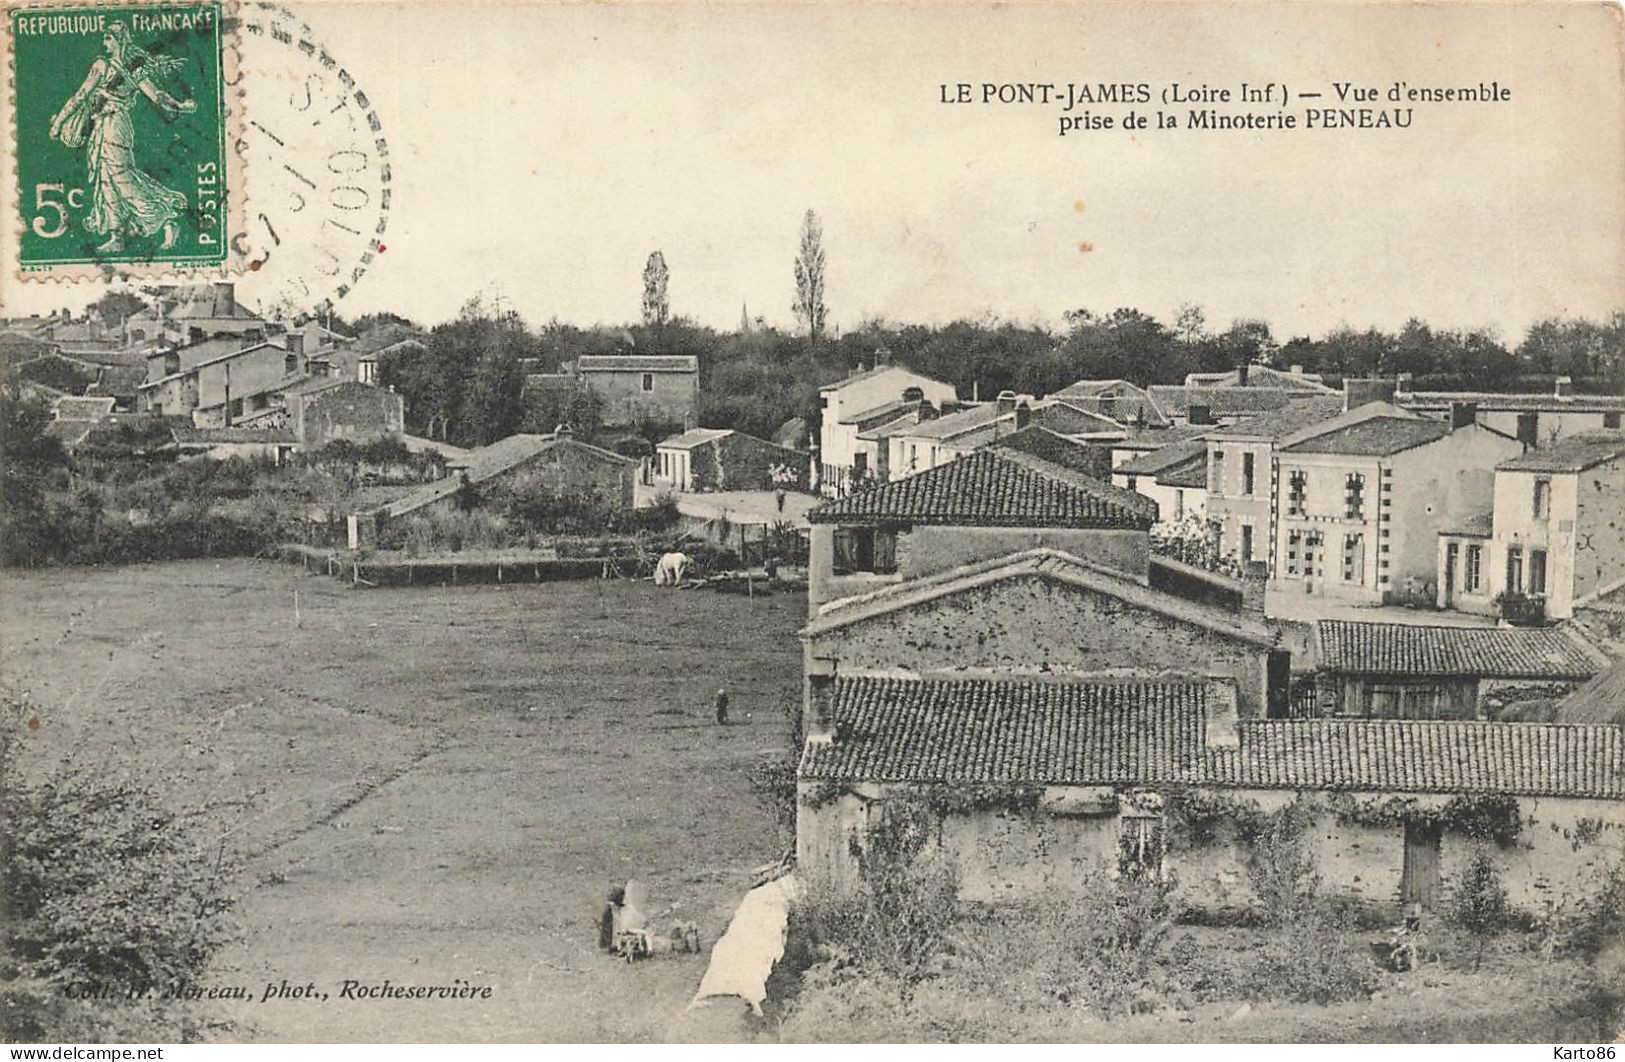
{"x":1462,"y":414}
{"x":1006,"y":401}
{"x":225,"y":298}
{"x":1402,"y":383}
{"x":913,"y":394}
{"x":1241,"y":374}
{"x":1254,"y":575}
{"x":296,"y":343}
{"x":1024,"y":414}
{"x":1221,"y":717}
{"x":1357,"y":393}
{"x":313,"y":336}
{"x":882,"y":355}
{"x":818,"y":721}
{"x":1198,"y":414}
{"x":1296,"y":370}
{"x":563,"y":431}
{"x":1563,"y":387}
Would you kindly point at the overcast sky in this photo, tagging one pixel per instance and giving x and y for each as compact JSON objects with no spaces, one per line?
{"x":545,"y":151}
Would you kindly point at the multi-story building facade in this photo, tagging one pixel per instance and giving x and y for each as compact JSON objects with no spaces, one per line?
{"x":1537,"y":420}
{"x":1357,"y":506}
{"x":1553,"y":536}
{"x":633,"y":387}
{"x":1241,"y":473}
{"x":860,"y":404}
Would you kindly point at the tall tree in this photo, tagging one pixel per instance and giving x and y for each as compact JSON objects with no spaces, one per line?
{"x":809,"y":306}
{"x":656,"y":304}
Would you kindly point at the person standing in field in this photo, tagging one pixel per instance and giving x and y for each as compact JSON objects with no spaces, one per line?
{"x":722,"y":707}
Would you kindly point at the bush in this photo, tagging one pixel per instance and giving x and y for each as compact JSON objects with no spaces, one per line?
{"x":1281,"y":867}
{"x":1313,"y":959}
{"x":896,"y":919}
{"x":1478,"y":903}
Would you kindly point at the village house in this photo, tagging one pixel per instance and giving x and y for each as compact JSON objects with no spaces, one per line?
{"x":265,"y":444}
{"x":1035,"y":780}
{"x":1292,"y":379}
{"x":1534,"y":419}
{"x":1207,"y":406}
{"x":928,"y":443}
{"x":663,"y":388}
{"x":1359,"y":500}
{"x":1175,"y":477}
{"x":1411,"y":671}
{"x":1064,"y":450}
{"x":1138,"y":441}
{"x":1047,"y":612}
{"x":557,"y":462}
{"x":1241,"y":470}
{"x":992,"y":503}
{"x":1116,"y":400}
{"x":714,"y":459}
{"x":863,"y":402}
{"x":323,"y":408}
{"x":1553,"y":540}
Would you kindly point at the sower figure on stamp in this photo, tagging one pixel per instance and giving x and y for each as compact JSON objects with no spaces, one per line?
{"x":124,"y":199}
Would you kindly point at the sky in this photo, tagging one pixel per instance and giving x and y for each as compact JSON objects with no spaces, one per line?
{"x":540,"y":153}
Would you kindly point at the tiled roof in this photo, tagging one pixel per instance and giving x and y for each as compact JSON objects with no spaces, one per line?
{"x":1024,"y":731}
{"x":869,"y":374}
{"x":994,"y":488}
{"x":1490,"y":402}
{"x":637,"y":363}
{"x":1192,"y":475}
{"x":1088,"y":458}
{"x":1377,"y":437}
{"x":493,"y":460}
{"x":1282,"y":422}
{"x":1149,"y":438}
{"x":1072,"y":417}
{"x":1602,"y":700}
{"x":960,"y":422}
{"x":1177,"y":399}
{"x":1261,"y":376}
{"x":1050,"y":565}
{"x":1351,"y":647}
{"x":884,"y":413}
{"x":692,"y":438}
{"x":69,"y":432}
{"x":1481,"y":525}
{"x":899,"y":425}
{"x":1573,"y":454}
{"x":1099,"y":388}
{"x":187,"y":435}
{"x":1126,"y":732}
{"x":1170,"y":456}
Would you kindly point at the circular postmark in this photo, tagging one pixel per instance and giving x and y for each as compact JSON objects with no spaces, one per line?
{"x":318,"y":169}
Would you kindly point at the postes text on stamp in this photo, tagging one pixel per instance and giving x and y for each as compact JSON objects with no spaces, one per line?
{"x":121,"y":135}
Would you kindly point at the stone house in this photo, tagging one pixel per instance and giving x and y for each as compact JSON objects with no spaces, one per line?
{"x":1174,"y":477}
{"x":995,"y":502}
{"x":558,"y":462}
{"x":1242,"y":468}
{"x":1044,"y":611}
{"x":1411,"y":671}
{"x":1554,"y":534}
{"x":637,"y":387}
{"x":709,"y":459}
{"x":866,"y":401}
{"x":270,"y":444}
{"x":324,"y":408}
{"x":1118,"y":400}
{"x":1206,"y":406}
{"x":1358,"y":502}
{"x":930,"y":443}
{"x":1536,"y":420}
{"x":1034,"y":781}
{"x":1064,"y":450}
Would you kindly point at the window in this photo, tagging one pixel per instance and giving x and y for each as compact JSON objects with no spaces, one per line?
{"x":1514,"y":570}
{"x":1473,"y":580}
{"x":290,"y":364}
{"x":1610,"y":420}
{"x":1354,"y":558}
{"x":1133,"y":482}
{"x":1297,"y":488}
{"x":1216,"y":477}
{"x":648,"y":381}
{"x":1294,"y":542}
{"x":1311,"y":543}
{"x":1179,"y":505}
{"x":1543,"y":498}
{"x":1246,"y":473}
{"x":1537,"y":571}
{"x":1246,"y":543}
{"x":913,"y":457}
{"x":1529,"y":428}
{"x":1354,"y":496}
{"x":865,"y":549}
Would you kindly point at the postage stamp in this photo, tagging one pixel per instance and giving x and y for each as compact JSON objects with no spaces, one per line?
{"x":122,"y":137}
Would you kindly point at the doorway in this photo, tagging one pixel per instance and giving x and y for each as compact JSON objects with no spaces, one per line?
{"x":1419,"y":880}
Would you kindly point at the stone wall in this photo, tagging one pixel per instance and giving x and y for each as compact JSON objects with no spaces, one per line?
{"x":352,"y":411}
{"x":1033,"y":624}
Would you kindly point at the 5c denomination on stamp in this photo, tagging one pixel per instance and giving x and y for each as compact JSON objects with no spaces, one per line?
{"x":121,"y":116}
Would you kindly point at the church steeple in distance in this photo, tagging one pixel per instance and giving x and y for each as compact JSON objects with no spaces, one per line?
{"x":744,"y":318}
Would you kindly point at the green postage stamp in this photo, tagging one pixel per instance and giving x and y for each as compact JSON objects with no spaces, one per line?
{"x":123,"y":152}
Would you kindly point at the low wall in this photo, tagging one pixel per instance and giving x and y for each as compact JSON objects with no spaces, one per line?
{"x":450,"y":570}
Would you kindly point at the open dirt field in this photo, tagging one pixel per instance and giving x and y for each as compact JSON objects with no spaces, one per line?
{"x":430,"y":784}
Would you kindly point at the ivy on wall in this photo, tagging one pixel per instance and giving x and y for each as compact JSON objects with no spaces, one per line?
{"x":1196,"y":817}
